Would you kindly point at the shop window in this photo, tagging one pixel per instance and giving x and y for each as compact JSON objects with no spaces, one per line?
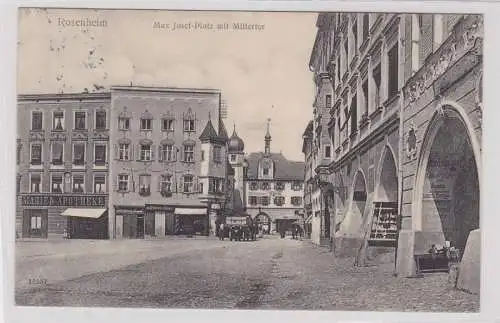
{"x":78,"y":183}
{"x":146,"y":152}
{"x":189,"y":153}
{"x":166,"y":184}
{"x":36,"y":120}
{"x":124,"y":152}
{"x":264,"y":200}
{"x":296,"y":200}
{"x":279,"y":200}
{"x":79,"y":154}
{"x":167,"y":125}
{"x":100,"y":154}
{"x":189,"y":125}
{"x":144,"y":185}
{"x":146,"y":124}
{"x":100,"y":120}
{"x":188,"y":186}
{"x":377,"y":80}
{"x":99,"y":184}
{"x":35,"y":183}
{"x":123,"y":123}
{"x":57,"y":153}
{"x":36,"y":222}
{"x":123,"y":180}
{"x":393,"y":71}
{"x":80,"y":120}
{"x":217,"y":155}
{"x":252,"y":200}
{"x":167,"y":153}
{"x":58,"y":121}
{"x":57,"y":184}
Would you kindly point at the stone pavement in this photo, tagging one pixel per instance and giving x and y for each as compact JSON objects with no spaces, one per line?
{"x":267,"y":274}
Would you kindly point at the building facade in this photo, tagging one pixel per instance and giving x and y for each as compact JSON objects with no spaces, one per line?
{"x":62,"y":165}
{"x":273,"y":188}
{"x":168,"y":161}
{"x":390,"y":77}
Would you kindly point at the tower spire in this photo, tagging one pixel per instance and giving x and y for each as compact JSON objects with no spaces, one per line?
{"x":267,"y":138}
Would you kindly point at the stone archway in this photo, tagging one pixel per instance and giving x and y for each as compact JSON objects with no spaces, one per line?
{"x":264,"y":220}
{"x":447,"y":187}
{"x":340,"y":198}
{"x":387,"y":183}
{"x":358,"y":202}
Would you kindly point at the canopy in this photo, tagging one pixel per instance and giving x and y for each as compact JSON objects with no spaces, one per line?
{"x":84,"y":213}
{"x":182,"y":211}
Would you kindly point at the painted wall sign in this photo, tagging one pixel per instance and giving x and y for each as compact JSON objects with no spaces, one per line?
{"x":63,"y":200}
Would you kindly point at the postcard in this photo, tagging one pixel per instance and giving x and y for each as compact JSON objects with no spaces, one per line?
{"x":181,"y":159}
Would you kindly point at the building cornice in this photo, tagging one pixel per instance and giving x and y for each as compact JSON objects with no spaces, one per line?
{"x":139,"y":88}
{"x":64,"y":97}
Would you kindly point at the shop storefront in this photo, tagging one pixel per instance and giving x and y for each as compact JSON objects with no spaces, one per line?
{"x":191,"y":221}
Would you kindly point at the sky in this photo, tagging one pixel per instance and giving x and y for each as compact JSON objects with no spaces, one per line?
{"x":262,"y":73}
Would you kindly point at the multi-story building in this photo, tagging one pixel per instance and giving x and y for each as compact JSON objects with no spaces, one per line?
{"x":169,"y":163}
{"x":395,"y":80}
{"x":62,"y":165}
{"x":273,"y":188}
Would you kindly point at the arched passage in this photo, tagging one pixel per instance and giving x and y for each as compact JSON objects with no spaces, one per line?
{"x":263,"y":220}
{"x":448,"y":181}
{"x":359,"y":196}
{"x":339,"y":202}
{"x":387,"y":187}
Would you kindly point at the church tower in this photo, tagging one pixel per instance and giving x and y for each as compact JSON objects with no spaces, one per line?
{"x":267,"y":139}
{"x":236,"y":148}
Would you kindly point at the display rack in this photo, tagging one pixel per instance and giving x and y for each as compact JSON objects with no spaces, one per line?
{"x":384,"y":227}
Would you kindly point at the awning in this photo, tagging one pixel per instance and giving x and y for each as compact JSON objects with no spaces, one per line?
{"x":182,"y":211}
{"x":84,"y":213}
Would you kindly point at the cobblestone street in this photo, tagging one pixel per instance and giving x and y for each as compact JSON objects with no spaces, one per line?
{"x":270,"y":273}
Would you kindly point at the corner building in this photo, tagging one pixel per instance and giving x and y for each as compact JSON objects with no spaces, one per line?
{"x":402,"y":93}
{"x":161,"y":180}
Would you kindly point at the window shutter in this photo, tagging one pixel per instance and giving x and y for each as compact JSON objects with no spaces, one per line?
{"x":115,"y":152}
{"x":159,"y":178}
{"x":160,"y":156}
{"x":115,"y":183}
{"x":181,"y":184}
{"x":138,"y":152}
{"x":195,"y":185}
{"x":153,"y":152}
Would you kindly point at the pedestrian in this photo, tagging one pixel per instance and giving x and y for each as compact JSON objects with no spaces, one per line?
{"x":221,"y":231}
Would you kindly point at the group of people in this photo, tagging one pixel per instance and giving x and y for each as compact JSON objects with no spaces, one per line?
{"x":296,"y":230}
{"x":237,"y":232}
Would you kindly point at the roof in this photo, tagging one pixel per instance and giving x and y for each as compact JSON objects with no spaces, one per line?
{"x":309,"y":129}
{"x":284,"y":169}
{"x":209,"y":132}
{"x":222,"y":130}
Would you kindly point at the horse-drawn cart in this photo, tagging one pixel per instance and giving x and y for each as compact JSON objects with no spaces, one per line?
{"x":239,"y":228}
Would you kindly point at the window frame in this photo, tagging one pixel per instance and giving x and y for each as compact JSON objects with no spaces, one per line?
{"x":101,"y":163}
{"x":100,"y":111}
{"x":54,"y":128}
{"x":40,"y":188}
{"x":145,"y":184}
{"x":84,"y":145}
{"x":52,"y":159}
{"x":126,"y":180}
{"x":171,"y":123}
{"x":166,"y":179}
{"x":147,"y":120}
{"x":95,"y":176}
{"x":52,"y":176}
{"x":190,"y":122}
{"x":124,"y":152}
{"x":187,"y":189}
{"x":143,"y":153}
{"x":32,"y":120}
{"x":82,"y":176}
{"x":126,"y":121}
{"x":75,"y":120}
{"x":191,"y":152}
{"x":41,"y":153}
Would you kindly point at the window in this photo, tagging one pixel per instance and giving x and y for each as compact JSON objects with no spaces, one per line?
{"x":167,"y":125}
{"x":189,"y":125}
{"x":36,"y":154}
{"x":265,"y":186}
{"x":216,"y":185}
{"x":80,"y":120}
{"x":124,"y":152}
{"x":279,"y":186}
{"x":123,"y":183}
{"x":264,"y":200}
{"x":123,"y":123}
{"x":78,"y":183}
{"x":58,"y":122}
{"x":354,"y":115}
{"x":328,"y":152}
{"x":296,"y":186}
{"x":167,"y":153}
{"x":202,"y":155}
{"x":233,"y":158}
{"x":99,"y":183}
{"x":18,"y":153}
{"x":252,"y":200}
{"x":377,"y":81}
{"x":146,"y":125}
{"x":189,"y":153}
{"x":365,"y":97}
{"x":36,"y":222}
{"x":296,"y":200}
{"x":100,"y":154}
{"x":57,"y":153}
{"x":217,"y":154}
{"x":366,"y":26}
{"x":100,"y":120}
{"x":166,"y":183}
{"x":36,"y":120}
{"x":279,"y":200}
{"x":79,"y":153}
{"x":393,"y":71}
{"x":254,"y":186}
{"x":146,"y":152}
{"x":265,"y":171}
{"x":328,"y":101}
{"x":188,"y":184}
{"x":35,"y":183}
{"x":144,"y":185}
{"x":56,"y":185}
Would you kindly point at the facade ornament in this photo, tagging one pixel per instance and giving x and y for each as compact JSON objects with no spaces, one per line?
{"x":411,"y":142}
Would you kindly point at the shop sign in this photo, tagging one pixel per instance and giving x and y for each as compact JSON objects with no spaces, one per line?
{"x":63,"y":200}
